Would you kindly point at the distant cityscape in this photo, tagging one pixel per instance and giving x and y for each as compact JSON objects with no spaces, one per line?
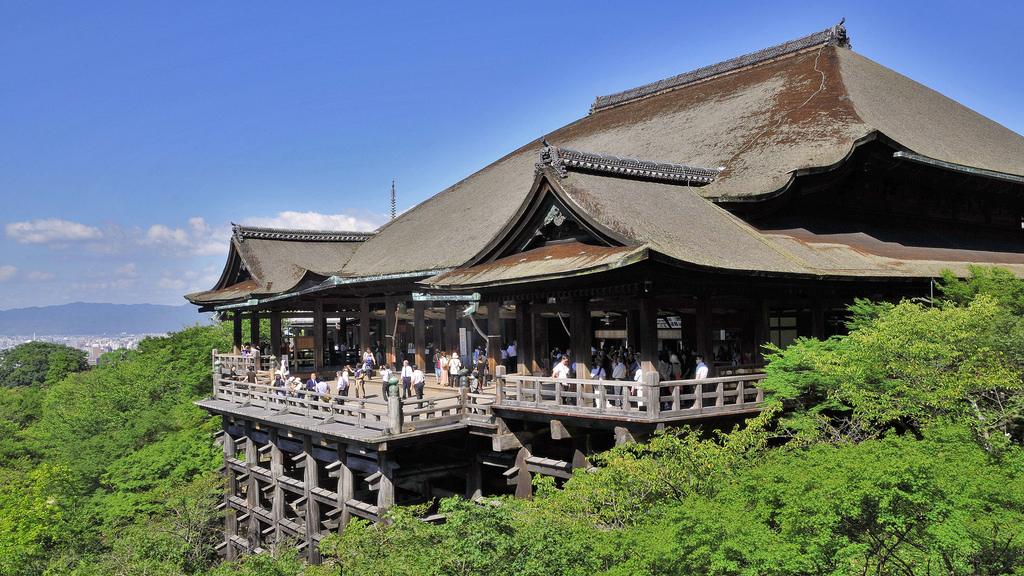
{"x":93,"y":346}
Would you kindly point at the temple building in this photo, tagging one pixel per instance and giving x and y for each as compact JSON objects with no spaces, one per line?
{"x":737,"y":204}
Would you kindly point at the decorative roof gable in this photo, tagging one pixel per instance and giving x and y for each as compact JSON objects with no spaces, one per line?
{"x":562,"y":159}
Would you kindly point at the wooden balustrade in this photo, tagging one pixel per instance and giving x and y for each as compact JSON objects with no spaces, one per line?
{"x":646,"y":400}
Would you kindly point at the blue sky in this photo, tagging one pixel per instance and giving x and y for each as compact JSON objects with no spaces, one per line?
{"x":132,"y":134}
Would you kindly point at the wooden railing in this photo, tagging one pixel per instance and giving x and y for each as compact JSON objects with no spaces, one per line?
{"x":242,"y":363}
{"x":436,"y":410}
{"x":649,"y":400}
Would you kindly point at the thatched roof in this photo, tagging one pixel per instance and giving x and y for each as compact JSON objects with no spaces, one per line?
{"x":754,"y":124}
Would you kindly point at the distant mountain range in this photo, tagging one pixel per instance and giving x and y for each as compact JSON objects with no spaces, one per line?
{"x":98,"y":319}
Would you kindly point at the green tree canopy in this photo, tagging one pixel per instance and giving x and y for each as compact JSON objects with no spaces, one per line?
{"x":39,"y":363}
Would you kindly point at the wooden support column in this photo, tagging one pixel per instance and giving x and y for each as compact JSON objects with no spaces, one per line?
{"x":524,"y":339}
{"x":230,"y":522}
{"x":276,"y":472}
{"x":342,"y":337}
{"x":364,"y":325}
{"x":648,"y":321}
{"x":438,"y":338}
{"x":493,"y":337}
{"x":318,"y":336}
{"x":704,"y":344}
{"x":254,"y":330}
{"x":390,"y":323}
{"x":524,"y":480}
{"x":761,"y":333}
{"x":541,"y":350}
{"x":236,"y":332}
{"x":451,"y":328}
{"x":420,"y":334}
{"x":386,"y":489}
{"x":275,"y":336}
{"x":581,"y":337}
{"x":346,"y":485}
{"x":818,"y":319}
{"x":310,"y":479}
{"x":633,"y":328}
{"x":474,"y":480}
{"x":252,"y":489}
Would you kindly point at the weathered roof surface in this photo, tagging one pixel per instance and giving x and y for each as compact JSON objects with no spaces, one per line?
{"x":762,"y":123}
{"x":548,"y":262}
{"x":232,"y":293}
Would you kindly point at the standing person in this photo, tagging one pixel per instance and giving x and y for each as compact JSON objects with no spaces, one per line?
{"x":417,"y":382}
{"x":442,"y":370}
{"x":360,"y":377}
{"x":677,"y":366}
{"x":385,"y":377}
{"x":343,"y":382}
{"x":513,"y":357}
{"x":561,"y":371}
{"x":279,"y":383}
{"x":481,"y":370}
{"x":454,"y":365}
{"x":406,"y":379}
{"x":437,"y":365}
{"x":638,"y":377}
{"x":702,"y":369}
{"x":619,"y":373}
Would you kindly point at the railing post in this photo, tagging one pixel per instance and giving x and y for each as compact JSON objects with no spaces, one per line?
{"x":740,"y":400}
{"x":698,"y":391}
{"x":720,"y":398}
{"x":463,"y":401}
{"x":602,"y":392}
{"x":653,"y":394}
{"x":536,"y":392}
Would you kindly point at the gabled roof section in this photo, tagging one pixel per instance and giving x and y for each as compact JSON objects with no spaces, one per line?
{"x":834,"y":36}
{"x":564,"y":159}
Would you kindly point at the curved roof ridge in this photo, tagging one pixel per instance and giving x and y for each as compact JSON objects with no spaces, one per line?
{"x":834,"y":36}
{"x":244,"y":232}
{"x":561,"y":159}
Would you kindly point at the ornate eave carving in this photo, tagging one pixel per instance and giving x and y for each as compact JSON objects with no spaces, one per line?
{"x":243,"y":232}
{"x":564,"y":159}
{"x":834,"y":36}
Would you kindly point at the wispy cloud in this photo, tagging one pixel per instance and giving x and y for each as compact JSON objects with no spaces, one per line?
{"x":40,"y":276}
{"x":53,"y":231}
{"x":8,"y":272}
{"x":364,"y":222}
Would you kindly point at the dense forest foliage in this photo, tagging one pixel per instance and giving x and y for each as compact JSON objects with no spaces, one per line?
{"x":897,"y":449}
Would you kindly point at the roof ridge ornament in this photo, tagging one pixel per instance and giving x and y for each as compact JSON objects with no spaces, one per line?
{"x":834,"y":36}
{"x":564,"y":159}
{"x":241,"y":233}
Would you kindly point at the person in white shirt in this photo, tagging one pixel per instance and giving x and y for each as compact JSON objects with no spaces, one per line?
{"x":417,"y":382}
{"x":702,"y":369}
{"x":385,"y":375}
{"x":406,"y":379}
{"x":638,"y":377}
{"x":561,"y":370}
{"x":512,"y":358}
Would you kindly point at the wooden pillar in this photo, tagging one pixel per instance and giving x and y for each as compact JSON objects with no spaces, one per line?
{"x":346,"y":485}
{"x":436,"y":335}
{"x":451,"y":328}
{"x":541,"y":350}
{"x":761,"y":333}
{"x":276,"y":472}
{"x":230,"y":522}
{"x":524,"y":339}
{"x":818,"y":319}
{"x":252,"y":489}
{"x":342,"y":337}
{"x":493,"y":337}
{"x":420,"y":334}
{"x":633,"y":328}
{"x":364,"y":325}
{"x":310,"y":479}
{"x":390,"y":323}
{"x":648,"y":320}
{"x":474,"y":480}
{"x":254,"y":330}
{"x":524,"y":480}
{"x":386,"y":487}
{"x":318,"y":336}
{"x":236,"y":332}
{"x":581,"y":336}
{"x":275,"y":336}
{"x":704,"y":346}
